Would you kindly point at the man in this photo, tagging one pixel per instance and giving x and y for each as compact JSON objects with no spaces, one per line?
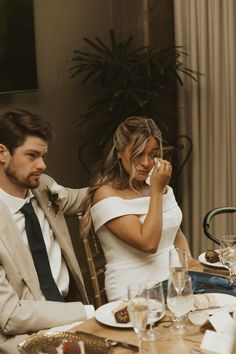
{"x":35,"y":293}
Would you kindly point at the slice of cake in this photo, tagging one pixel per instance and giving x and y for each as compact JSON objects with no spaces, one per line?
{"x":121,"y":313}
{"x":212,"y":256}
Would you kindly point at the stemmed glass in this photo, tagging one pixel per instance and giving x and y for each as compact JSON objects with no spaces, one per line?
{"x":138,"y":310}
{"x":156,"y":307}
{"x":180,"y":304}
{"x":228,"y":254}
{"x":178,"y":267}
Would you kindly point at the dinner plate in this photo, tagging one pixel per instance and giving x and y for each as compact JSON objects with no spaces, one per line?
{"x":222,"y":299}
{"x":226,"y":302}
{"x":104,"y":315}
{"x":203,"y":260}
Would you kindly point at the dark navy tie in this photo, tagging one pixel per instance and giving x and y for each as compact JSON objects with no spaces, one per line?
{"x":39,"y":254}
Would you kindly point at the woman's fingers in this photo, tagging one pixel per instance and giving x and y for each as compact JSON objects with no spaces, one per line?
{"x":164,"y":165}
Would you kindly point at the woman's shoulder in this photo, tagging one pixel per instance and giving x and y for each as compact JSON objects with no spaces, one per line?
{"x":110,"y":204}
{"x":103,"y":192}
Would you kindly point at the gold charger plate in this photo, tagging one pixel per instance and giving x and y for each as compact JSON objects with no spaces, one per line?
{"x":48,"y":342}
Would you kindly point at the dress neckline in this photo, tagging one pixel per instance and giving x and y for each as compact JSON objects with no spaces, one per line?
{"x":169,"y":189}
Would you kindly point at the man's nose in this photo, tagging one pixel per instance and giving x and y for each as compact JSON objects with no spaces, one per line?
{"x":41,"y":164}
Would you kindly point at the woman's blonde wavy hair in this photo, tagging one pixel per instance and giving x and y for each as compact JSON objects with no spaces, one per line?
{"x":111,"y":170}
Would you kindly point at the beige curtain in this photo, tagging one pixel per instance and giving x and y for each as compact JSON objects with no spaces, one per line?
{"x":207,"y":30}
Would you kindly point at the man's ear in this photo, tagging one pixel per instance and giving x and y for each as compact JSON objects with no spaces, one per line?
{"x":4,"y":153}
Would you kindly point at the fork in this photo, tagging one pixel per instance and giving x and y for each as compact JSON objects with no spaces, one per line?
{"x":114,"y":343}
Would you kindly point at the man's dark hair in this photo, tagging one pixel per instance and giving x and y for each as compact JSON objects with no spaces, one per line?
{"x":17,"y":124}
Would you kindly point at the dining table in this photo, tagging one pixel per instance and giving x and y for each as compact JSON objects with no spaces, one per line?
{"x":166,"y":342}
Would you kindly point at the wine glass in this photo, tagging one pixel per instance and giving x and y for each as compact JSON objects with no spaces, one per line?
{"x":156,"y":307}
{"x":178,"y":267}
{"x":228,"y":254}
{"x":180,"y":304}
{"x":138,"y":310}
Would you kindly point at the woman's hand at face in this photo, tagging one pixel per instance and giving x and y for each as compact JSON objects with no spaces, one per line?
{"x":161,"y":175}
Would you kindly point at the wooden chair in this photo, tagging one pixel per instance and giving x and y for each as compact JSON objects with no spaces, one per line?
{"x":95,"y":262}
{"x":91,"y":260}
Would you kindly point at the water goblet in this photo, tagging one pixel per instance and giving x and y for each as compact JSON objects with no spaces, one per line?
{"x":156,"y":307}
{"x":178,"y":267}
{"x":228,"y":254}
{"x":180,"y":304}
{"x":138,"y":310}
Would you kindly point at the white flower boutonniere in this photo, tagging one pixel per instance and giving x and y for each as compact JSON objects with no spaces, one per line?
{"x":56,"y":194}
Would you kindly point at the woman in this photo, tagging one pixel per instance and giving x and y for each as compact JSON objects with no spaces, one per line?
{"x":136,"y":223}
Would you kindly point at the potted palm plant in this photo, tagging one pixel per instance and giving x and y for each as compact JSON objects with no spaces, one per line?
{"x":124,"y":80}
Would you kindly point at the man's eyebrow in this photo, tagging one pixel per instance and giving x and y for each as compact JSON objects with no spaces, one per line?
{"x":35,"y":152}
{"x":32,"y":150}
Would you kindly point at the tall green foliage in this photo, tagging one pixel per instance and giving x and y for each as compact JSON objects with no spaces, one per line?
{"x":124,"y":80}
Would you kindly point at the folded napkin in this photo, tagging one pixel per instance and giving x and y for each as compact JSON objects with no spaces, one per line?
{"x":207,"y":283}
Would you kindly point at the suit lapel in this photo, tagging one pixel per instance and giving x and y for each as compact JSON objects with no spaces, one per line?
{"x":54,"y":219}
{"x":14,"y":243}
{"x":61,"y":233}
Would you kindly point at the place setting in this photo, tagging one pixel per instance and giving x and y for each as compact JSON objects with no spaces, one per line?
{"x":222,"y":263}
{"x":192,"y":302}
{"x":144,"y":307}
{"x":211,"y":258}
{"x":203,"y":301}
{"x":193,"y":297}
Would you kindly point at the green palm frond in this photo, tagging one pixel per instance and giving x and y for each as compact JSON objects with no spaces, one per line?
{"x":127,"y":80}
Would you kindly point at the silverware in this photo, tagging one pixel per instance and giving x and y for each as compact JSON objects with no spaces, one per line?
{"x":208,"y":308}
{"x":108,"y":343}
{"x":229,"y":308}
{"x":114,"y":343}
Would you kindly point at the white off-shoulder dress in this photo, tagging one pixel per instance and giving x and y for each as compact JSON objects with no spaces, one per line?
{"x":125,"y":264}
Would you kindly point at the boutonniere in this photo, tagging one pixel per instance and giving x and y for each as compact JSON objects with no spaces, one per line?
{"x":56,"y":194}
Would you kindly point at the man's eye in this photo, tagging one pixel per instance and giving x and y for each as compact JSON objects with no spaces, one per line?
{"x":32,"y":155}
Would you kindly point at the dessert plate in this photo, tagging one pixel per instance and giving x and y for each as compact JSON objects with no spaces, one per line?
{"x":104,"y":315}
{"x":203,"y":260}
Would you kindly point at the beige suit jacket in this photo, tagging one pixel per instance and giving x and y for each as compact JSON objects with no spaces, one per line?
{"x":21,"y":309}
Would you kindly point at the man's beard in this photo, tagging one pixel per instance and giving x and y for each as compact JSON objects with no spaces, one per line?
{"x":11,"y":173}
